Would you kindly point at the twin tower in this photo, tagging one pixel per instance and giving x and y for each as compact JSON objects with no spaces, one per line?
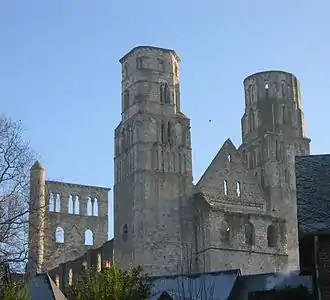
{"x":153,"y":190}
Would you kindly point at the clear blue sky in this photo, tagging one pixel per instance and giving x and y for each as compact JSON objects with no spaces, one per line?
{"x":60,"y":75}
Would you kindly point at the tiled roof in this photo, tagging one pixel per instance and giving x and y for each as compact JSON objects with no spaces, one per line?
{"x":213,"y":285}
{"x":313,"y":193}
{"x":265,"y":282}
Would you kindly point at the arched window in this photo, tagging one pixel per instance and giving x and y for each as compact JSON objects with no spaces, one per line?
{"x":70,"y":276}
{"x":76,"y":206}
{"x":89,"y":207}
{"x":95,"y":207}
{"x":99,"y":262}
{"x":249,"y":234}
{"x":51,"y":202}
{"x":57,"y":280}
{"x":59,"y":235}
{"x":238,"y":189}
{"x":70,"y":205}
{"x":224,"y":231}
{"x":271,"y":236}
{"x":169,"y":131}
{"x":58,"y":203}
{"x":225,"y":187}
{"x":89,"y":240}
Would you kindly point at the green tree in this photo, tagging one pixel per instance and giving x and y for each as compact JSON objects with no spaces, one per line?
{"x":15,"y":291}
{"x":111,"y":284}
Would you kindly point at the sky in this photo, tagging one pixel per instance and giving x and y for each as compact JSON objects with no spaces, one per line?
{"x":60,"y":72}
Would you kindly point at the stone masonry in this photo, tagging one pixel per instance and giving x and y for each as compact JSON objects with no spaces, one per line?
{"x":242,"y":214}
{"x":65,"y":220}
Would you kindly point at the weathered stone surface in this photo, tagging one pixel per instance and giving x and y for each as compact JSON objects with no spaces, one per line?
{"x":74,"y":224}
{"x":166,"y":214}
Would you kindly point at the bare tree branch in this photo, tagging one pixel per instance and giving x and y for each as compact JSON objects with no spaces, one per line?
{"x":16,"y":158}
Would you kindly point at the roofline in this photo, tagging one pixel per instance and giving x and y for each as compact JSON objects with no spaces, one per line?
{"x":269,"y":71}
{"x":79,"y":185}
{"x":150,"y":47}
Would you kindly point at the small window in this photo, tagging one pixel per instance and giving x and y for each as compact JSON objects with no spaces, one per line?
{"x":126,"y":100}
{"x":266,"y":86}
{"x":271,"y":236}
{"x":125,"y":232}
{"x":139,"y":63}
{"x":249,"y":234}
{"x":229,"y":157}
{"x":160,"y":64}
{"x":224,"y":232}
{"x":59,"y":235}
{"x":225,"y":187}
{"x":107,"y":264}
{"x":238,"y":189}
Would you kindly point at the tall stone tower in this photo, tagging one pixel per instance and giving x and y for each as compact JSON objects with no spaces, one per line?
{"x":153,"y":175}
{"x":37,"y":207}
{"x":273,"y":134}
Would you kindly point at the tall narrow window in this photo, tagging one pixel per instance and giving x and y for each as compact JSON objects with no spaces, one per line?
{"x":166,"y":93}
{"x":126,"y":100}
{"x":139,"y":63}
{"x":238,"y":189}
{"x":58,"y":203}
{"x":266,"y":89}
{"x":225,"y":187}
{"x":89,"y":207}
{"x":51,"y":202}
{"x":162,"y":131}
{"x":95,"y":207}
{"x":284,"y":114}
{"x":249,"y":234}
{"x":76,"y":206}
{"x":70,"y":276}
{"x":169,"y":132}
{"x":161,"y":92}
{"x":70,"y":205}
{"x":271,"y":236}
{"x":99,"y":262}
{"x":229,"y":157}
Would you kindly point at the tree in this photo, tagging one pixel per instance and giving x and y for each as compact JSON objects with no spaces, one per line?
{"x":111,"y":284}
{"x":16,"y":159}
{"x":10,"y":290}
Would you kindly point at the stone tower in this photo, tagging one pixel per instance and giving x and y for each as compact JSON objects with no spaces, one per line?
{"x":153,"y":175}
{"x":272,"y":135}
{"x":36,"y":218}
{"x":65,"y":220}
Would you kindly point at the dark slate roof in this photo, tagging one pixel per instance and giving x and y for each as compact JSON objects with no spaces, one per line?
{"x":265,"y":282}
{"x":313,"y":193}
{"x":213,"y":285}
{"x":41,"y":286}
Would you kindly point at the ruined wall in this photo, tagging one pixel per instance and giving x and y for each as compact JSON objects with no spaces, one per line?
{"x":76,"y":220}
{"x":65,"y":220}
{"x":99,"y":258}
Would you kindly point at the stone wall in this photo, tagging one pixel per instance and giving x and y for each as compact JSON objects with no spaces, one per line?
{"x":99,"y":258}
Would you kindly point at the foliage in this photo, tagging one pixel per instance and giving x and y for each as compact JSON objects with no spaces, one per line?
{"x":15,"y":160}
{"x":111,"y":284}
{"x":15,"y":291}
